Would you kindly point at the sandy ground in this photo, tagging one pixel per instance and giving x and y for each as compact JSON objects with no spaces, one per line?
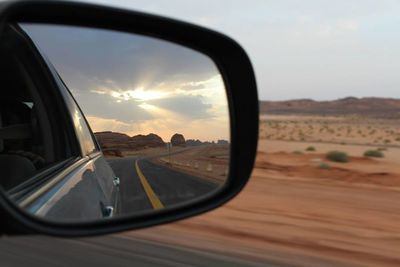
{"x":297,"y":221}
{"x":340,"y":130}
{"x":293,"y":212}
{"x":210,"y":162}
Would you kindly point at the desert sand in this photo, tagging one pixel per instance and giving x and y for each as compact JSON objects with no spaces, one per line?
{"x":294,"y":212}
{"x":210,"y":162}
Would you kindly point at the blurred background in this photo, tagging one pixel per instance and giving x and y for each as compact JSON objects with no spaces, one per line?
{"x":325,"y":187}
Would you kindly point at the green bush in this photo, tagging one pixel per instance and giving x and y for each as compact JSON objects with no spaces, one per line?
{"x":310,"y":148}
{"x":373,"y":153}
{"x":324,"y":166}
{"x":337,"y":156}
{"x":297,"y":152}
{"x":382,"y":149}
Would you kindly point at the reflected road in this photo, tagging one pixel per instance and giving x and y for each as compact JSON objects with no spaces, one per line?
{"x":169,"y":186}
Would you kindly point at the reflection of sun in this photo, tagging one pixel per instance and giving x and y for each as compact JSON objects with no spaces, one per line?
{"x":144,"y":95}
{"x":138,"y":94}
{"x":147,"y":106}
{"x":161,"y":113}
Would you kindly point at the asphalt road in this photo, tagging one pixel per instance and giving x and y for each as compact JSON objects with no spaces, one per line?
{"x":105,"y":251}
{"x":168,"y":186}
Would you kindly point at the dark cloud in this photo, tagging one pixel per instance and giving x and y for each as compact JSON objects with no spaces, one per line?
{"x":107,"y":107}
{"x":129,"y":60}
{"x":95,"y":62}
{"x":192,"y":107}
{"x":192,"y":87}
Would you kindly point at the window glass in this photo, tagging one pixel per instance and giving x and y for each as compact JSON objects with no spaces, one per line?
{"x":83,"y":133}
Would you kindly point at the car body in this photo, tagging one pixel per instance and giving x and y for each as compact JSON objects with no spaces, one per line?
{"x":87,"y":189}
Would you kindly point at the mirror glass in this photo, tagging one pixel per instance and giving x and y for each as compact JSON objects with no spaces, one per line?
{"x":149,"y":129}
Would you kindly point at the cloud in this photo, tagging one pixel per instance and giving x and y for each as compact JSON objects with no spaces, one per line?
{"x":119,"y":59}
{"x":191,"y":107}
{"x":107,"y":107}
{"x":135,"y":84}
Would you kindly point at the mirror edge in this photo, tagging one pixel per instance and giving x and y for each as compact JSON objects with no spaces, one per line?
{"x":231,"y":60}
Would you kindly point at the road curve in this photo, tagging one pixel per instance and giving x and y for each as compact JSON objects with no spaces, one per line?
{"x":170,"y":187}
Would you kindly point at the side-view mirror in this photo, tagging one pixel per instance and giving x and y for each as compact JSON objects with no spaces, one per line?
{"x":113,"y":120}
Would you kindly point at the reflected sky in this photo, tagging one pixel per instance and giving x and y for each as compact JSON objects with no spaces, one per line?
{"x":135,"y":84}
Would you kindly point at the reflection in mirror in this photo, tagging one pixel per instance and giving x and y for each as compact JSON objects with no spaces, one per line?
{"x":158,"y":111}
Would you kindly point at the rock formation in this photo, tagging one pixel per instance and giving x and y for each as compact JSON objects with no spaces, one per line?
{"x":178,"y":140}
{"x":145,"y":141}
{"x":119,"y":141}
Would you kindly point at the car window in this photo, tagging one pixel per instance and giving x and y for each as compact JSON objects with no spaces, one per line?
{"x":27,"y":126}
{"x":83,"y":132}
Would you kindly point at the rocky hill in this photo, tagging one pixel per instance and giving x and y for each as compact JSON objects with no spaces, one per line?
{"x":119,"y":141}
{"x":178,"y":140}
{"x":144,"y":141}
{"x":368,"y":106}
{"x":115,"y":142}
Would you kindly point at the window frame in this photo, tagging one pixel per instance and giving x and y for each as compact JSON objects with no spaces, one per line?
{"x":85,"y":123}
{"x":48,"y":93}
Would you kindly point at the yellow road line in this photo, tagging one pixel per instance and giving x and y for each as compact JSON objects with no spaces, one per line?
{"x":155,"y":201}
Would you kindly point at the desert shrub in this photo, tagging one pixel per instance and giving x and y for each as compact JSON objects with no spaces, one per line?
{"x":324,"y":166}
{"x":310,"y":148}
{"x":381,"y":149}
{"x":337,"y":156}
{"x":297,"y":152}
{"x":373,"y":153}
{"x":398,"y":139}
{"x":387,"y":141}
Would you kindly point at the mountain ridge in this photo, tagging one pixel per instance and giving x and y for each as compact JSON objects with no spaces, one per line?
{"x":377,"y":107}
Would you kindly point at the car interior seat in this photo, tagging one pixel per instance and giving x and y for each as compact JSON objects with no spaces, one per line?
{"x":14,"y":168}
{"x":19,"y":131}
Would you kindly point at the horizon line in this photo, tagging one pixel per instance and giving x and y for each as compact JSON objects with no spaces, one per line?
{"x":332,"y":99}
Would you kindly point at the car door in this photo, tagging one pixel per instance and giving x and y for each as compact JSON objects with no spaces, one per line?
{"x":80,"y":184}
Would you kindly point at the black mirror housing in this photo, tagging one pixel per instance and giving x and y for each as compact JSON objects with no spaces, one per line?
{"x":237,"y":73}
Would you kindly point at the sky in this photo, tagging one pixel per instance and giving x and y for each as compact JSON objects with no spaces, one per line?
{"x":320,"y":49}
{"x":315,"y":49}
{"x":136,"y":84}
